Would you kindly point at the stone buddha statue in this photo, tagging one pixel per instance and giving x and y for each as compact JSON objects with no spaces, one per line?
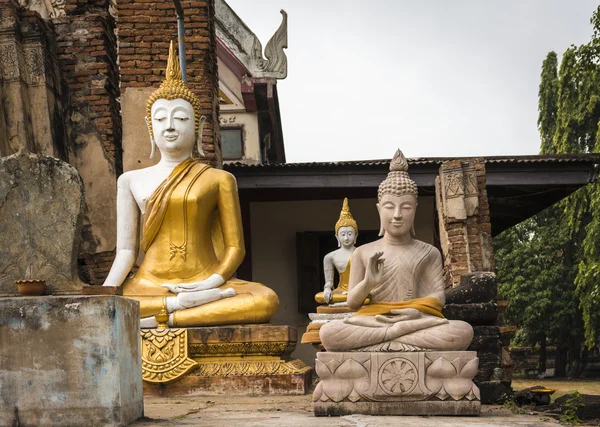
{"x":346,"y":232}
{"x":191,"y":225}
{"x":402,"y":277}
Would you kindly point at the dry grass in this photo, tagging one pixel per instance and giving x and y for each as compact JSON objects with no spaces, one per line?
{"x":562,"y":386}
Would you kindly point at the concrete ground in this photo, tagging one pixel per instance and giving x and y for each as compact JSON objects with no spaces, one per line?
{"x":283,"y":411}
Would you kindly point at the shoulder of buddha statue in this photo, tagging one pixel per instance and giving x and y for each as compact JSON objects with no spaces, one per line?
{"x":221,"y":176}
{"x":364,"y":251}
{"x":124,"y":179}
{"x":429,"y":254}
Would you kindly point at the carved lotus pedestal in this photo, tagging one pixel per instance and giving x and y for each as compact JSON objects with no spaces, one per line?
{"x":240,"y":359}
{"x":397,"y":383}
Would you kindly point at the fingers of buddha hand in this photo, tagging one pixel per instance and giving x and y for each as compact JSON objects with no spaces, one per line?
{"x":172,"y":288}
{"x":194,"y":299}
{"x":400,"y":315}
{"x":407,"y":313}
{"x":408,"y":326}
{"x":189,"y":287}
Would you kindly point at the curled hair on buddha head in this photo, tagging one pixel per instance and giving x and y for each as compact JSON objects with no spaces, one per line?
{"x":172,"y":88}
{"x":398,"y":183}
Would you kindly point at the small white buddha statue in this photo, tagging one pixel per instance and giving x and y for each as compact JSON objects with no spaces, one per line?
{"x":192,"y":229}
{"x":402,"y":277}
{"x":346,"y":233}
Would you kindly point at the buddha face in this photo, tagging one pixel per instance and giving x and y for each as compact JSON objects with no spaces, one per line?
{"x":397,"y":214}
{"x":173,"y":126}
{"x":346,"y":237}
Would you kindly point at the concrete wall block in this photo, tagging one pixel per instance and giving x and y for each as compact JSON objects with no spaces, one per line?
{"x":73,"y":360}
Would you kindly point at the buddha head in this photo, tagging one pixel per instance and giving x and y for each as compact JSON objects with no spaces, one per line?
{"x":346,"y":229}
{"x":397,"y":197}
{"x":173,"y":113}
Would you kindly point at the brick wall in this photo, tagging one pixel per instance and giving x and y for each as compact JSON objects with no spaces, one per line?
{"x":87,"y":54}
{"x":464,"y":219}
{"x":87,"y":51}
{"x":146,"y":28}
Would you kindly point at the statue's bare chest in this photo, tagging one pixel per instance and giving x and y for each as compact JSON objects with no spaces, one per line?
{"x":144,"y":183}
{"x":340,"y":260}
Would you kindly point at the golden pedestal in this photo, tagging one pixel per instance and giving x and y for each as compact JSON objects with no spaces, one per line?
{"x":240,"y":359}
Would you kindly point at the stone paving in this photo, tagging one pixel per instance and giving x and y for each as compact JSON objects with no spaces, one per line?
{"x":283,"y":411}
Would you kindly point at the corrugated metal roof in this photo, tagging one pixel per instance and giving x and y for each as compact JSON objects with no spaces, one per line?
{"x":554,"y":158}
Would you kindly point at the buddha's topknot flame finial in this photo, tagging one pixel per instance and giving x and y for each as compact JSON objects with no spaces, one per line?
{"x":172,"y":88}
{"x":399,"y":162}
{"x":346,"y":219}
{"x":173,"y":71}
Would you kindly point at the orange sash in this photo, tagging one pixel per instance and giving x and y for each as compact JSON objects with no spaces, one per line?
{"x":156,"y":206}
{"x":427,"y":305}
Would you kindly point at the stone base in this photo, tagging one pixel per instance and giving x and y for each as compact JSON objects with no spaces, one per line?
{"x":70,"y":361}
{"x":328,"y":309}
{"x":228,"y":360}
{"x":409,"y":383}
{"x":332,"y":409}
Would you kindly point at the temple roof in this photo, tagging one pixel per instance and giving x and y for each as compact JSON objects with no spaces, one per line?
{"x":517,"y":186}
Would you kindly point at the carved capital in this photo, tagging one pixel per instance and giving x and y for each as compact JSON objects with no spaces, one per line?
{"x":453,"y":192}
{"x":9,"y":61}
{"x":471,"y":189}
{"x":35,"y":63}
{"x":46,"y":8}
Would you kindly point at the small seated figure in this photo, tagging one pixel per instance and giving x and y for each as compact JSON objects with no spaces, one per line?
{"x":192,"y":230}
{"x":402,"y":277}
{"x":346,"y":232}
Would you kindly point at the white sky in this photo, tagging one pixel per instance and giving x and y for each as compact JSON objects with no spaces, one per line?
{"x":433,"y":77}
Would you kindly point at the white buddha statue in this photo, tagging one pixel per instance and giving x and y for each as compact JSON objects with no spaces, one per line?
{"x":192,"y":229}
{"x":346,"y":233}
{"x":403,"y":279}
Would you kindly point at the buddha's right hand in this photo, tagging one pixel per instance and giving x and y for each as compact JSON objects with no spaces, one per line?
{"x":374,"y":271}
{"x":327,"y":293}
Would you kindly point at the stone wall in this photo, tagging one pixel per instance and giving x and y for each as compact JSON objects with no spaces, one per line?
{"x":464,"y":219}
{"x":87,"y":52}
{"x":30,"y":84}
{"x":145,"y":29}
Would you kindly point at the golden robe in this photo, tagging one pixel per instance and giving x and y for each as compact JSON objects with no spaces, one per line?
{"x":192,"y":229}
{"x":338,"y":293}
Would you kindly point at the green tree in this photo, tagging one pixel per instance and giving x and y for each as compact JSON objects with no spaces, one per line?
{"x":549,"y":265}
{"x":576,"y":131}
{"x":537,"y":279}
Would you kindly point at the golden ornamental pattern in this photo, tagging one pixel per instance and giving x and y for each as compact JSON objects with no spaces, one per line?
{"x":274,"y":348}
{"x":165,"y":355}
{"x":250,"y":368}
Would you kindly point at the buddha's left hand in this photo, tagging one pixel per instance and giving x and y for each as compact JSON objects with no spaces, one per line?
{"x":212,"y":282}
{"x":400,"y":315}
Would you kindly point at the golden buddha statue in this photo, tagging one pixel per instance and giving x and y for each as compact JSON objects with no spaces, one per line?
{"x":346,"y":232}
{"x":402,"y":277}
{"x":192,"y":229}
